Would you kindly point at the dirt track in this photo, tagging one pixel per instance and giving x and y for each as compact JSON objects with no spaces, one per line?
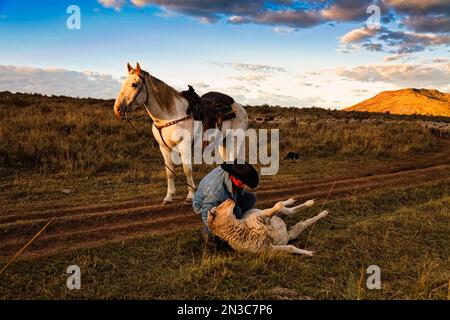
{"x":90,"y":226}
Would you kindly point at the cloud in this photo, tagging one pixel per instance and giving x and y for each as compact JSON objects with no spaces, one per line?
{"x":286,"y":18}
{"x":436,"y":23}
{"x":435,"y":75}
{"x":415,"y":18}
{"x":284,"y":30}
{"x":239,"y":89}
{"x":291,"y":13}
{"x":358,"y":35}
{"x":255,"y":78}
{"x":269,"y":12}
{"x":346,"y":10}
{"x":264,"y":97}
{"x":393,"y":41}
{"x":206,"y":10}
{"x":116,"y":4}
{"x":419,"y":6}
{"x":249,"y":67}
{"x":58,"y":82}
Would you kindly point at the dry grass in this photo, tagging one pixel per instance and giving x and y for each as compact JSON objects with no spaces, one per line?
{"x":406,"y":232}
{"x":51,"y":143}
{"x":66,"y":135}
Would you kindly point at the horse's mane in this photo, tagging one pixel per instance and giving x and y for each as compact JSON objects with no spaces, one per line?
{"x":163,"y":93}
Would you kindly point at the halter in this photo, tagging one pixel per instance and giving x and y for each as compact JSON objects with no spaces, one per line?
{"x":159,"y":128}
{"x":142,"y":84}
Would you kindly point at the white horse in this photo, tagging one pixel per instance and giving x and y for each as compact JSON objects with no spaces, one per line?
{"x":167,"y":108}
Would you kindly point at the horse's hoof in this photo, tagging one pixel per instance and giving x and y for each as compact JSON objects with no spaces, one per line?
{"x":167,"y":203}
{"x":188,"y":200}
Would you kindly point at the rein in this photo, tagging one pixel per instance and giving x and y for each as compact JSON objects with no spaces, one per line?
{"x":159,"y":128}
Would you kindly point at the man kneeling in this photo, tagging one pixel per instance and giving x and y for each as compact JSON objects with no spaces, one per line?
{"x":227,"y":181}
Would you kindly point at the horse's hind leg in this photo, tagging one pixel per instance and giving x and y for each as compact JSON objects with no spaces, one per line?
{"x":291,"y":249}
{"x":169,"y":173}
{"x":289,"y":211}
{"x":296,"y":229}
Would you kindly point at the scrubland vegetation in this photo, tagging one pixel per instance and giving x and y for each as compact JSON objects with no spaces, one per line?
{"x":60,"y":152}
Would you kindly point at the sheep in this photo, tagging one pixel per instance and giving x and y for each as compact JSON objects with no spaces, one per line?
{"x":260,"y":230}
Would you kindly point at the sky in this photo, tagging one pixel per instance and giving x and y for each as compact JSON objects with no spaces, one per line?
{"x":326,"y":53}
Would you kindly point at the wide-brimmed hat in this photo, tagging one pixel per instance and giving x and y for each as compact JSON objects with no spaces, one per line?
{"x":242,"y":171}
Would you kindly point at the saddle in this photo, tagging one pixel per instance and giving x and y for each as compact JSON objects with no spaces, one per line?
{"x":211,"y":108}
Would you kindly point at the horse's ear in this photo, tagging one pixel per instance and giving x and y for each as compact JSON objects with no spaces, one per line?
{"x":129,"y":67}
{"x":138,"y":68}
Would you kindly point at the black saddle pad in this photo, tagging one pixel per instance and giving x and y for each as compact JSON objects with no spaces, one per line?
{"x":215,"y":101}
{"x":209,"y":108}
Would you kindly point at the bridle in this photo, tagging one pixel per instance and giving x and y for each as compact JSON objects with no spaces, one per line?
{"x":142,"y":84}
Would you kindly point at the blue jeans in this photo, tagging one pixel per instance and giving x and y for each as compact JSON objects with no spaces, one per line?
{"x":245,"y":201}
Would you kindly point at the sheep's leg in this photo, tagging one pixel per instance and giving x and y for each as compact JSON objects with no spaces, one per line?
{"x":291,"y":249}
{"x":277,"y":207}
{"x":289,"y":211}
{"x":298,"y":228}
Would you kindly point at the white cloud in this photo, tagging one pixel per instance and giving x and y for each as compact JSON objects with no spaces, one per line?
{"x":249,"y":67}
{"x":58,"y":82}
{"x":330,"y":87}
{"x":358,"y":35}
{"x":393,"y":41}
{"x":284,"y":30}
{"x":116,"y":4}
{"x":424,"y":74}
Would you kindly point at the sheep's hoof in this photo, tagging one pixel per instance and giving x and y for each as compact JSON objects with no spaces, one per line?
{"x":324,"y":213}
{"x":289,"y":202}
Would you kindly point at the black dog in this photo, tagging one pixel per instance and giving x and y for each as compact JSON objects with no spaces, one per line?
{"x":292,"y":156}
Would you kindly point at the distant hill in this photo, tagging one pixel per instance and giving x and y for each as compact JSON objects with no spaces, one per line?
{"x":407,"y":101}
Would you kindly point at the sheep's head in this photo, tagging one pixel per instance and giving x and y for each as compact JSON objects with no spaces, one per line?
{"x":221,"y":215}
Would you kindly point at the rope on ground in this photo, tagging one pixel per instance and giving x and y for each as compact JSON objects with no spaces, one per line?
{"x":26,"y":245}
{"x":168,"y":168}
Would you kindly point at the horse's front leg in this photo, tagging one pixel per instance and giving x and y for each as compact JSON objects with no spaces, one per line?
{"x":186,"y":157}
{"x":169,"y":173}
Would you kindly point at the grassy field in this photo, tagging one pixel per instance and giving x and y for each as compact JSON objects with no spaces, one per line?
{"x":82,"y":136}
{"x":59,"y":152}
{"x":406,"y":232}
{"x":53,"y":143}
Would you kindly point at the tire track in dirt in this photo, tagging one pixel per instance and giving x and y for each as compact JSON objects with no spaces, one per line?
{"x":137,"y":211}
{"x":90,"y":226}
{"x":416,"y":162}
{"x":18,"y":217}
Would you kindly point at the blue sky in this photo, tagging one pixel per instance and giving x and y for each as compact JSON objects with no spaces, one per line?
{"x":277,"y":52}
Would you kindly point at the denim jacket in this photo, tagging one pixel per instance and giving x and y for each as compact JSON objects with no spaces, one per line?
{"x":215,"y":188}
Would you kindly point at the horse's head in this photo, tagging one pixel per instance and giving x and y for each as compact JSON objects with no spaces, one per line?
{"x":133,"y":93}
